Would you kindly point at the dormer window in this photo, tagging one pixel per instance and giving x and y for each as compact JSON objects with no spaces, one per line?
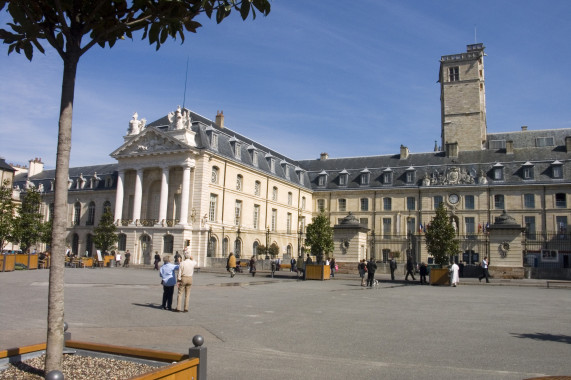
{"x":410,"y":175}
{"x":365,"y":177}
{"x":253,"y":154}
{"x":300,"y":174}
{"x":557,"y":169}
{"x":544,"y":141}
{"x":237,"y":151}
{"x":527,"y":170}
{"x":498,"y":172}
{"x":387,"y":176}
{"x":214,"y":141}
{"x":108,"y":181}
{"x":285,"y":168}
{"x":271,"y":162}
{"x":322,"y":178}
{"x":343,"y":178}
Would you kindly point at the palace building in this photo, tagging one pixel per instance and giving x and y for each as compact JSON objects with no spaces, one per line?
{"x":186,"y":180}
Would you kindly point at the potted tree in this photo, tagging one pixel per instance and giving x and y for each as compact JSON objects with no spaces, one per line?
{"x":441,"y":243}
{"x":319,"y":236}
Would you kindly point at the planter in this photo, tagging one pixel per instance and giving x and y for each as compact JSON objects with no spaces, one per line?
{"x":30,"y":261}
{"x":439,"y":276}
{"x":7,"y":263}
{"x":317,"y":272}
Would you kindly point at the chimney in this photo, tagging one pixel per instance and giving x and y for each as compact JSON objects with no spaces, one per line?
{"x":452,"y":149}
{"x":403,"y":152}
{"x":568,"y":144}
{"x":509,"y":147}
{"x":524,"y":128}
{"x":220,"y":118}
{"x":36,"y":166}
{"x":324,"y":156}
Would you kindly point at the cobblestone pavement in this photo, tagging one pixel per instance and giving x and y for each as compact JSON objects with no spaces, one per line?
{"x":262,"y":327}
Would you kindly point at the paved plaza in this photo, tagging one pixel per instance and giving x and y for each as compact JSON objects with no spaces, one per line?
{"x":281,"y":328}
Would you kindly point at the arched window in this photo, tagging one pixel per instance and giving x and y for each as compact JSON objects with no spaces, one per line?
{"x":122,"y":242}
{"x":89,"y":245}
{"x":225,"y":247}
{"x":239,"y":180}
{"x":289,"y":250}
{"x":255,"y":248}
{"x":75,"y":244}
{"x":212,"y":247}
{"x":214,"y":178}
{"x":168,"y":244}
{"x":76,"y":213}
{"x":275,"y":194}
{"x":90,"y":214}
{"x":106,"y":207}
{"x":238,"y":248}
{"x":257,"y":187}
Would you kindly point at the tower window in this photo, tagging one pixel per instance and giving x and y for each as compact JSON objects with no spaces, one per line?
{"x":453,"y":74}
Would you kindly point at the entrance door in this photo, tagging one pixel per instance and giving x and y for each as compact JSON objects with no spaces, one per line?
{"x":146,"y":248}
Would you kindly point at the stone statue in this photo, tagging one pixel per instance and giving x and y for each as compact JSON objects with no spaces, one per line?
{"x":134,"y":125}
{"x":454,"y":225}
{"x":482,"y":180}
{"x":426,"y":180}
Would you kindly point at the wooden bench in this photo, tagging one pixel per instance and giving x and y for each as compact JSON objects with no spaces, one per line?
{"x":559,"y":282}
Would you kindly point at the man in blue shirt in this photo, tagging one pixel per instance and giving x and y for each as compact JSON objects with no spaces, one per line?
{"x":169,"y":281}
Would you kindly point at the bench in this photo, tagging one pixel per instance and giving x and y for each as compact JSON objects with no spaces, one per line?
{"x":559,"y":282}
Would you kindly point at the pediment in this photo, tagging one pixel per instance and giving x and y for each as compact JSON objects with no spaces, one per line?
{"x":150,"y":142}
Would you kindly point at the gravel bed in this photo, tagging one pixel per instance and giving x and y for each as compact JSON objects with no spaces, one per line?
{"x":76,"y":367}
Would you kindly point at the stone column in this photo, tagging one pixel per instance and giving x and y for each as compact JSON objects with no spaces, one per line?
{"x":164,"y":195}
{"x":138,"y":196}
{"x":119,"y":197}
{"x":184,"y":197}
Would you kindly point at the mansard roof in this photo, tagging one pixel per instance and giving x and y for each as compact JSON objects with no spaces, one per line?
{"x":5,"y":167}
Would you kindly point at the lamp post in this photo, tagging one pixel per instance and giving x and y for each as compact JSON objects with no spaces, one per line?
{"x":209,"y":243}
{"x":267,"y":242}
{"x":237,"y":244}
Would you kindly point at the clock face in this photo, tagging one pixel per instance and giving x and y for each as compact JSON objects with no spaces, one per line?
{"x":453,"y":198}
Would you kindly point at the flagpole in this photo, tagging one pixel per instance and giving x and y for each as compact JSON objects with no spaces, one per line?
{"x":185,"y":81}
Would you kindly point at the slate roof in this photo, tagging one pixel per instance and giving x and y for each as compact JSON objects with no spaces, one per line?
{"x":5,"y":167}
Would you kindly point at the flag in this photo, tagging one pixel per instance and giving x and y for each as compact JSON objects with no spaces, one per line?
{"x":420,"y":227}
{"x":479,"y":227}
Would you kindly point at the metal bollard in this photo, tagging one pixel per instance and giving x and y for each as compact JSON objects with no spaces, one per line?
{"x":199,"y":352}
{"x":54,"y":375}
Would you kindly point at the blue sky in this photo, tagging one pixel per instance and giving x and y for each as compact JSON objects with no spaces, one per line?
{"x":349,"y":78}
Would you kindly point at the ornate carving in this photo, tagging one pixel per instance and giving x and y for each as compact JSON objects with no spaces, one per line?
{"x":504,"y":248}
{"x":450,"y":176}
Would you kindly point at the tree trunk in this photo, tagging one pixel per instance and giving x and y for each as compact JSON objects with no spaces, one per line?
{"x":55,"y":333}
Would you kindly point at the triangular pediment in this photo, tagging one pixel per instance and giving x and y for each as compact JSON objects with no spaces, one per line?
{"x":150,"y":142}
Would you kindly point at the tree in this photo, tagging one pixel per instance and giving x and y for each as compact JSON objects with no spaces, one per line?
{"x":7,"y":214}
{"x":29,"y":225}
{"x":273,"y":250}
{"x":104,"y":235}
{"x":441,"y":239}
{"x":319,"y":236}
{"x":73,"y":27}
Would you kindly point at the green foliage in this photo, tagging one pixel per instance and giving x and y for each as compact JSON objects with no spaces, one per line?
{"x":29,"y":224}
{"x":441,"y":239}
{"x":273,"y":250}
{"x":319,"y":236}
{"x":7,"y":214}
{"x":105,"y":234}
{"x":261,"y":250}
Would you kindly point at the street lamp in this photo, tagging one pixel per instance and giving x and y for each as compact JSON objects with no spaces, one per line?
{"x":267,"y":242}
{"x":237,"y":244}
{"x":209,"y":244}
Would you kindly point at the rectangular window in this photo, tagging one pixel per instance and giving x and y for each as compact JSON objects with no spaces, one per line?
{"x":387,"y":204}
{"x":365,"y":178}
{"x":275,"y":194}
{"x":256,"y":216}
{"x":364,"y":204}
{"x":437,"y":201}
{"x":411,"y":225}
{"x":288,"y":223}
{"x":303,"y":203}
{"x":364,"y":221}
{"x":453,"y":74}
{"x":238,"y":213}
{"x":560,"y":200}
{"x":274,"y":219}
{"x":342,"y":205}
{"x":410,"y":177}
{"x":529,"y":201}
{"x":561,"y":222}
{"x":530,"y":227}
{"x":343,"y":180}
{"x":499,"y":202}
{"x":387,"y":228}
{"x":528,"y":172}
{"x":557,"y":171}
{"x":387,"y":178}
{"x":257,"y":187}
{"x":302,"y":224}
{"x":497,"y":144}
{"x":321,"y":205}
{"x":321,"y":180}
{"x":214,"y":142}
{"x":544,"y":141}
{"x":470,"y":225}
{"x":469,"y":203}
{"x":212,"y":208}
{"x":410,"y":203}
{"x":289,"y":198}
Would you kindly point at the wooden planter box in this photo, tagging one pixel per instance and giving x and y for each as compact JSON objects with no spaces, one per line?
{"x":7,"y":262}
{"x":182,"y":368}
{"x":439,"y":276}
{"x":31,"y":260}
{"x":317,"y":272}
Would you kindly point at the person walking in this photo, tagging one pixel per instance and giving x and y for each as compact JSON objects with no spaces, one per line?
{"x":185,"y":273}
{"x":253,"y":266}
{"x":168,"y":281}
{"x":362,"y":267}
{"x":231,"y":264}
{"x":177,"y":258}
{"x":409,"y":268}
{"x":292,"y":263}
{"x":454,"y":275}
{"x":371,"y":269}
{"x":393,"y":266}
{"x":118,"y":259}
{"x":127,"y":259}
{"x":157,"y":260}
{"x":485,"y":273}
{"x":333,"y":266}
{"x":423,"y":272}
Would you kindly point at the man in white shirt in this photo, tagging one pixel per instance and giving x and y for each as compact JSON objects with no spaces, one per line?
{"x":185,"y":273}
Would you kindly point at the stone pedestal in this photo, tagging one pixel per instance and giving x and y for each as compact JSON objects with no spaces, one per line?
{"x":506,"y":257}
{"x":350,"y":240}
